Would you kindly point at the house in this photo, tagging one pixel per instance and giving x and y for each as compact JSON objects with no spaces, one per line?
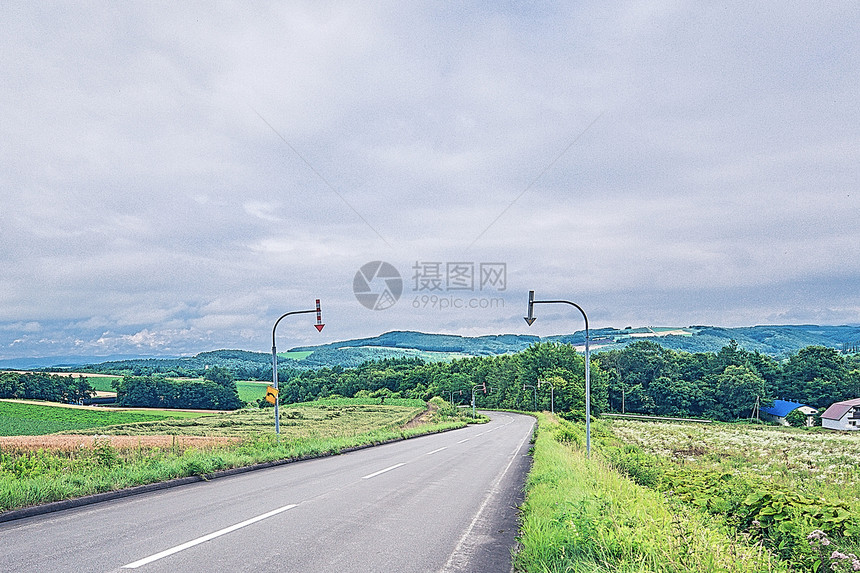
{"x":842,"y":415}
{"x":781,"y":409}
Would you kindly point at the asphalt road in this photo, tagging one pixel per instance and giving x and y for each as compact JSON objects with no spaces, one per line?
{"x":440,"y":503}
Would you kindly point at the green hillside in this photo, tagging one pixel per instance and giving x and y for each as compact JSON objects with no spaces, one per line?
{"x":775,"y":341}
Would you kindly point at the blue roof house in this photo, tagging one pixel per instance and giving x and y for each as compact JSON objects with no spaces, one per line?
{"x":781,"y":409}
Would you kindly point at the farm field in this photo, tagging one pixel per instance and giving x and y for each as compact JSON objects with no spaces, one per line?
{"x":795,"y":492}
{"x":582,"y":515}
{"x":250,"y":390}
{"x":39,"y":469}
{"x":31,"y":419}
{"x":818,"y":462}
{"x":295,"y":354}
{"x":311,"y":420}
{"x":102,"y":383}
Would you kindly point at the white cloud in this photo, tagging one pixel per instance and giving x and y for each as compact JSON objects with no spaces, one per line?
{"x":148,"y":191}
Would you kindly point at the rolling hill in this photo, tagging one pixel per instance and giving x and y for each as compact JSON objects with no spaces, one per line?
{"x":776,"y":341}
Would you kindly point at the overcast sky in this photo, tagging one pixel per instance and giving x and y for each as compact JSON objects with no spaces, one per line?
{"x":176,"y":176}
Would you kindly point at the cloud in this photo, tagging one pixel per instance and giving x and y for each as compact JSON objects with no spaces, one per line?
{"x":178,"y":178}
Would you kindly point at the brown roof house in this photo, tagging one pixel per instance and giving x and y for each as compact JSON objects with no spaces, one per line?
{"x":842,"y":415}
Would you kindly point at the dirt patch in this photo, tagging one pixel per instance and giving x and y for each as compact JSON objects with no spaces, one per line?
{"x":424,"y":417}
{"x":71,"y":442}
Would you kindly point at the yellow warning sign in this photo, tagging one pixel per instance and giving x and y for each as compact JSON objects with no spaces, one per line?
{"x":271,"y":394}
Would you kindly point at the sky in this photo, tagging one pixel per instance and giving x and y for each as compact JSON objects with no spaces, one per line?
{"x":176,"y":176}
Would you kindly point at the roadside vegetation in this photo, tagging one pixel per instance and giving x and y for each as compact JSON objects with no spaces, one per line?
{"x":679,"y":497}
{"x":124,"y":455}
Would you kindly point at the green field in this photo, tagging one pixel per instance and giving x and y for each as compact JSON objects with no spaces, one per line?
{"x":674,"y":497}
{"x":35,"y":473}
{"x":102,"y":383}
{"x":311,"y":420}
{"x":250,"y":391}
{"x":295,"y":354}
{"x":19,"y":419}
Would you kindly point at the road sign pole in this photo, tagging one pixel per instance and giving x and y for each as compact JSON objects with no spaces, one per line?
{"x":530,"y":320}
{"x":319,"y":326}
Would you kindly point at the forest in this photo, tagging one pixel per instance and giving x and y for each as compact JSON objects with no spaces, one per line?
{"x":643,"y":377}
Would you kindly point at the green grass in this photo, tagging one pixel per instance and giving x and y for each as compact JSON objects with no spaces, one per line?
{"x":250,"y":391}
{"x":310,"y":429}
{"x":580,"y":515}
{"x":295,"y":354}
{"x":774,"y":485}
{"x":19,"y":419}
{"x":102,"y":383}
{"x":310,"y":420}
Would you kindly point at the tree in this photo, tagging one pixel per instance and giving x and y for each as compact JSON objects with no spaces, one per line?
{"x":817,"y":376}
{"x":796,"y":418}
{"x":160,"y":392}
{"x":736,"y":391}
{"x":220,"y":375}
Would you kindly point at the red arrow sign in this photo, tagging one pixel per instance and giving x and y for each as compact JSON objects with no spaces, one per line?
{"x":319,"y":323}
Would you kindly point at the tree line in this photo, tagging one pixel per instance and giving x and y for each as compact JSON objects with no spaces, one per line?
{"x":650,"y":379}
{"x":503,"y":381}
{"x":643,"y":377}
{"x":41,"y":386}
{"x":217,"y":391}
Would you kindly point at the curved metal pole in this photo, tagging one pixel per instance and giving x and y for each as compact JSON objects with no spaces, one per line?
{"x":551,"y":394}
{"x":489,"y":389}
{"x":531,"y":318}
{"x":318,"y":325}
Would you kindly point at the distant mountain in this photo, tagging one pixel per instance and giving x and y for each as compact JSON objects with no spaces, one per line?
{"x":36,"y":363}
{"x":776,"y":341}
{"x":471,"y":345}
{"x":409,"y":344}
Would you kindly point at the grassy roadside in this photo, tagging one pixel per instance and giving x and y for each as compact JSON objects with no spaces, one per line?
{"x":580,"y":515}
{"x":35,"y":477}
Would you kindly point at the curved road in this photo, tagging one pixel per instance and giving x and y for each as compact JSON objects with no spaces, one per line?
{"x":440,"y":503}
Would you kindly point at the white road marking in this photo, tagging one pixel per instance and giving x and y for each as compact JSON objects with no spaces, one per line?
{"x":206,"y":538}
{"x":388,"y":469}
{"x":436,"y":451}
{"x":464,"y":441}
